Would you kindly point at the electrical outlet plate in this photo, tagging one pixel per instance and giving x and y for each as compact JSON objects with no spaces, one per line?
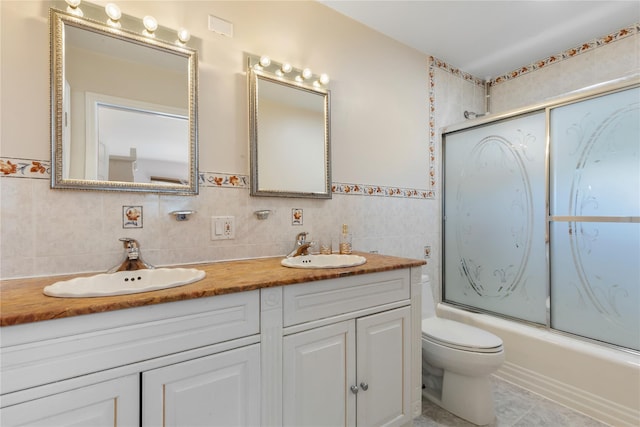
{"x":223,"y":228}
{"x":427,"y":252}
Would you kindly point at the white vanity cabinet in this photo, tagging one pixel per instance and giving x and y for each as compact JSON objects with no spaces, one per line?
{"x":354,"y":372}
{"x":342,"y":351}
{"x":111,"y":368}
{"x":348,"y":351}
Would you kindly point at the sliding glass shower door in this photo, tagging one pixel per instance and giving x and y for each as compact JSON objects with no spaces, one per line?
{"x":494,"y":218}
{"x":594,"y":211}
{"x":541,"y":217}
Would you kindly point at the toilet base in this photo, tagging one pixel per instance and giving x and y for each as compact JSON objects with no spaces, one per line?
{"x":469,"y":398}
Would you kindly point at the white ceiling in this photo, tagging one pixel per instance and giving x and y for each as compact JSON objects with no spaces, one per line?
{"x":491,"y":38}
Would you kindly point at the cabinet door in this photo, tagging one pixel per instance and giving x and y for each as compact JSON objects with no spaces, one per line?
{"x":383,"y":363}
{"x":218,"y":390}
{"x":106,"y":404}
{"x":319,"y":369}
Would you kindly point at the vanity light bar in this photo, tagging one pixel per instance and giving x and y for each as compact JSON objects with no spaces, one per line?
{"x":287,"y":71}
{"x":115,"y":17}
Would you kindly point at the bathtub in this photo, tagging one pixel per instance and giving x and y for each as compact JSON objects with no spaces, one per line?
{"x":601,"y":382}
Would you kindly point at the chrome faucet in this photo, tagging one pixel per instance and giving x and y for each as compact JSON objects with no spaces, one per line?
{"x":301,"y":246}
{"x":133,"y":261}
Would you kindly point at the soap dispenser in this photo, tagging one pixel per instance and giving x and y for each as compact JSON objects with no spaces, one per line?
{"x":345,"y":241}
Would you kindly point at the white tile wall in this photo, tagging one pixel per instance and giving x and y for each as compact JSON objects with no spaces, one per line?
{"x":47,"y":232}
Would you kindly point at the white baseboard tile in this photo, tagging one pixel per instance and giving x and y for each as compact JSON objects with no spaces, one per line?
{"x":575,"y":398}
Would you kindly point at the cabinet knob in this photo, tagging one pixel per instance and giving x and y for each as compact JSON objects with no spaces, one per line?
{"x":354,"y":389}
{"x":364,"y":386}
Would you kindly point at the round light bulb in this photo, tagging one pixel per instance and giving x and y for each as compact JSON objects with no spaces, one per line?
{"x":265,"y":61}
{"x":184,"y":35}
{"x":72,"y":7}
{"x":324,"y":79}
{"x":150,"y":23}
{"x":286,"y":67}
{"x":306,"y":73}
{"x":113,"y":12}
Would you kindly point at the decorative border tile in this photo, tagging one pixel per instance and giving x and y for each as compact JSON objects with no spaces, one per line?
{"x":455,"y":71}
{"x":25,"y":168}
{"x":569,"y":53}
{"x":215,"y":179}
{"x":380,"y":191}
{"x":41,"y":169}
{"x":433,"y":139}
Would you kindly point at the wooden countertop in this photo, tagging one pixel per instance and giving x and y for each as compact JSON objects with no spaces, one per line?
{"x":22,"y":300}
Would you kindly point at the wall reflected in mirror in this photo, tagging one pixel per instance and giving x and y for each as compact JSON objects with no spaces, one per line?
{"x":138,"y":145}
{"x":290,"y":139}
{"x":124,"y":110}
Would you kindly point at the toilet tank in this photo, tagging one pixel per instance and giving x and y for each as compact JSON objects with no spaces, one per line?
{"x":428,"y":301}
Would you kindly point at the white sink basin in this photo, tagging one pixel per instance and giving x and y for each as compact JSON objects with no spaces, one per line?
{"x":124,"y":282}
{"x":324,"y":261}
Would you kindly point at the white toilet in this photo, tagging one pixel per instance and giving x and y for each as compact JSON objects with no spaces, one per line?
{"x":457,"y":360}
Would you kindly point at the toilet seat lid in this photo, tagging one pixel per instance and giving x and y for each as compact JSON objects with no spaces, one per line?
{"x":460,"y":336}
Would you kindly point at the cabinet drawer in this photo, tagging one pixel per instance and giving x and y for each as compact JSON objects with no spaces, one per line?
{"x":38,"y":353}
{"x":325,"y":298}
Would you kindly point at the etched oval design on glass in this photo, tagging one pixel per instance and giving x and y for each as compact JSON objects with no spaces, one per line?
{"x":608,"y":158}
{"x":504,"y":198}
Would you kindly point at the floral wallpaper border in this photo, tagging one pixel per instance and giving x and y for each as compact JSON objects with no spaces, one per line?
{"x":569,"y":53}
{"x":437,"y":63}
{"x":25,"y":168}
{"x":41,"y":169}
{"x":223,"y":180}
{"x":381,"y":191}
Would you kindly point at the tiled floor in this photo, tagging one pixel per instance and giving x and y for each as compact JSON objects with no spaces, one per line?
{"x":515,"y":407}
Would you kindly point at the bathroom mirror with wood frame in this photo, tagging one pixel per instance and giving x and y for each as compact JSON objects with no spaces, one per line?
{"x":123,"y":107}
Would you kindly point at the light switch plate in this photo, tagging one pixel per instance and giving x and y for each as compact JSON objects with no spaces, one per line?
{"x":223,"y":228}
